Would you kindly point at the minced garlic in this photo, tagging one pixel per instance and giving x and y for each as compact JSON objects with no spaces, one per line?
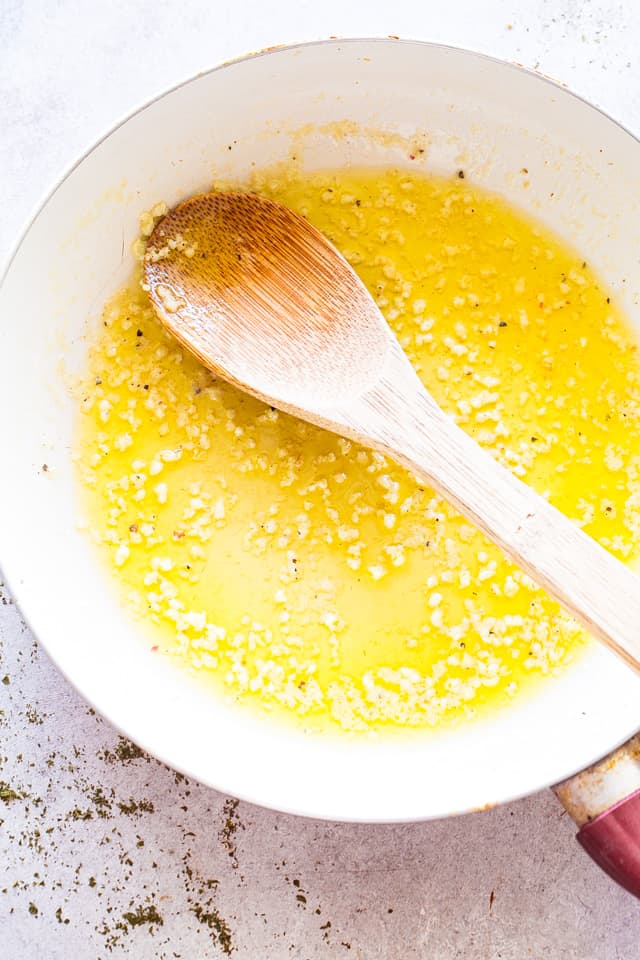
{"x":317,"y":578}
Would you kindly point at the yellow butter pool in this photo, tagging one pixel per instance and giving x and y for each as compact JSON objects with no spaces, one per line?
{"x":315,"y":578}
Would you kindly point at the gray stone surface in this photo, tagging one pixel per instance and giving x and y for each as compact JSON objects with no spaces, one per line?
{"x":104,"y":852}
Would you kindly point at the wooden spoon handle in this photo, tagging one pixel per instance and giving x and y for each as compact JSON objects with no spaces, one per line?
{"x":595,"y":587}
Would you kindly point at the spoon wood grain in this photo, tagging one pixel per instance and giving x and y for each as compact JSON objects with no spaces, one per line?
{"x":263,"y":299}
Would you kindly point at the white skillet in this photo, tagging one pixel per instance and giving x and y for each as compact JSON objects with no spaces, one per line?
{"x":465,"y":111}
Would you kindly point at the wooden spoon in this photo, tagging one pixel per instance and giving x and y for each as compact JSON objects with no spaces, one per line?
{"x":263,"y":299}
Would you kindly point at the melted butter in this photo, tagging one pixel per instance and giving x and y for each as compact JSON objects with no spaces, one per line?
{"x":314,"y":578}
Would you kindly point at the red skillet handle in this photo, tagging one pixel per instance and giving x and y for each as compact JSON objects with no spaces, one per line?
{"x":605,"y":802}
{"x":613,"y":841}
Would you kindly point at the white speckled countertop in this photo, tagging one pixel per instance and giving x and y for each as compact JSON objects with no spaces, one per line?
{"x":106,"y":852}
